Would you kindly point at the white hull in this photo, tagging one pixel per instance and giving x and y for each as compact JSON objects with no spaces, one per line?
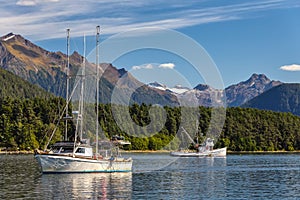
{"x":214,"y":153}
{"x":66,"y":164}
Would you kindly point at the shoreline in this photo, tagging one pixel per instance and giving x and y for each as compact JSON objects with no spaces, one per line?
{"x":167,"y":151}
{"x":15,"y":152}
{"x":262,"y":152}
{"x":228,"y":152}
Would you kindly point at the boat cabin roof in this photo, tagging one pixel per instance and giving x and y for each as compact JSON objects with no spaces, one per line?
{"x":63,"y":143}
{"x":68,"y":144}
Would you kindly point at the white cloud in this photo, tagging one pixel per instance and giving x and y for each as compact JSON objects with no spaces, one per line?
{"x":26,"y":3}
{"x":167,"y":65}
{"x":293,"y":67}
{"x":146,"y":66}
{"x":154,"y":66}
{"x":33,"y":2}
{"x":49,"y":20}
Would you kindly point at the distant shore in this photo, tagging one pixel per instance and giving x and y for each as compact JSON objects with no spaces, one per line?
{"x":262,"y":152}
{"x":15,"y":152}
{"x":228,"y":152}
{"x":166,"y":151}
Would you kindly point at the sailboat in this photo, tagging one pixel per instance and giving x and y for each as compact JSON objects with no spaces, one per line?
{"x":78,"y":156}
{"x":203,"y":150}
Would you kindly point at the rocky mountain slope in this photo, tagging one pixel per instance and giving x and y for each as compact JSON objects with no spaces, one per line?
{"x":12,"y":86}
{"x":242,"y":92}
{"x":234,"y":95}
{"x":282,"y":98}
{"x":48,"y":70}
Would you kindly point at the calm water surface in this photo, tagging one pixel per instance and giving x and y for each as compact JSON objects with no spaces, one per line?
{"x":159,"y":176}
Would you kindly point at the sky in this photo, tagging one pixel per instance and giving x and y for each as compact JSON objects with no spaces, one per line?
{"x":213,"y":42}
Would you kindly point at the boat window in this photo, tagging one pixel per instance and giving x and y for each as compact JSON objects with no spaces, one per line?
{"x":55,"y":150}
{"x":80,"y":150}
{"x":66,"y":150}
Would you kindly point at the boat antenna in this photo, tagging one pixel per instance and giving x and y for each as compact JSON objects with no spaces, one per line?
{"x":97,"y":87}
{"x":67,"y":87}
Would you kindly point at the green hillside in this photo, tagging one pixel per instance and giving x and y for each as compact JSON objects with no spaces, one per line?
{"x":27,"y":123}
{"x":15,"y":87}
{"x":282,"y":98}
{"x":245,"y":129}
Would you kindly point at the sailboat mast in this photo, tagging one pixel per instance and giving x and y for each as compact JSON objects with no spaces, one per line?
{"x":97,"y":87}
{"x":67,"y":87}
{"x":82,"y":87}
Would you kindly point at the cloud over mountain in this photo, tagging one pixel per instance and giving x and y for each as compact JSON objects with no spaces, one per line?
{"x":145,"y":66}
{"x":293,"y":67}
{"x":154,"y":66}
{"x":167,"y":65}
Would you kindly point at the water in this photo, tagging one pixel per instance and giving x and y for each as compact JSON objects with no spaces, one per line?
{"x":159,"y":176}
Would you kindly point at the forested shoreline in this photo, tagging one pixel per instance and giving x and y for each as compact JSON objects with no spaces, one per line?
{"x":26,"y":124}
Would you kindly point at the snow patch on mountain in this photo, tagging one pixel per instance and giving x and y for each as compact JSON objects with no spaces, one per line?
{"x":178,"y":89}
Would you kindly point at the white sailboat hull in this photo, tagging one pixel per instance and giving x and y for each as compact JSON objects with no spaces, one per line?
{"x":67,"y":164}
{"x":213,"y":153}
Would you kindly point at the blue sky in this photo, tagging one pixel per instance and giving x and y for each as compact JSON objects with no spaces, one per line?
{"x":241,"y":37}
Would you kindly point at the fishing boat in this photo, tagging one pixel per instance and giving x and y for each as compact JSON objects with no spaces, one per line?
{"x":203,"y":150}
{"x":78,"y":155}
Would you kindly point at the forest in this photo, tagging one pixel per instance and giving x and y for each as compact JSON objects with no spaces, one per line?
{"x":27,"y":124}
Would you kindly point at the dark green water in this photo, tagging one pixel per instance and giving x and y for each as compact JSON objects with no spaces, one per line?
{"x":159,"y":176}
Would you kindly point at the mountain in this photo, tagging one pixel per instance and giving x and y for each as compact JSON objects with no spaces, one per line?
{"x":282,"y":98}
{"x":178,"y":89}
{"x":117,"y":84}
{"x":242,"y":92}
{"x":236,"y":94}
{"x":15,"y":87}
{"x":48,"y":70}
{"x":35,"y":64}
{"x":204,"y":95}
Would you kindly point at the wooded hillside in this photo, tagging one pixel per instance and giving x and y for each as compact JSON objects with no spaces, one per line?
{"x":27,"y":124}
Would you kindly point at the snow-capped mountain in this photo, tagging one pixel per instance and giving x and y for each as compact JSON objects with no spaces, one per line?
{"x":200,"y":95}
{"x":234,"y":95}
{"x":177,"y":89}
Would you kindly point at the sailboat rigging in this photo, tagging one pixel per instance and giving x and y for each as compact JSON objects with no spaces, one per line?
{"x":78,"y":155}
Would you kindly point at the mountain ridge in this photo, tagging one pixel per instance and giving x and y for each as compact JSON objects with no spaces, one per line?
{"x":282,"y":98}
{"x":240,"y":93}
{"x":232,"y":96}
{"x":48,"y":70}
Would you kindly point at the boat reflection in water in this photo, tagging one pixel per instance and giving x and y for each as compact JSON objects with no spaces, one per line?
{"x":87,"y":186}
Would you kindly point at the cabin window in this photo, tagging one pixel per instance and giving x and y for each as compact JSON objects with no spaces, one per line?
{"x":55,"y":150}
{"x":66,"y":150}
{"x":80,"y":150}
